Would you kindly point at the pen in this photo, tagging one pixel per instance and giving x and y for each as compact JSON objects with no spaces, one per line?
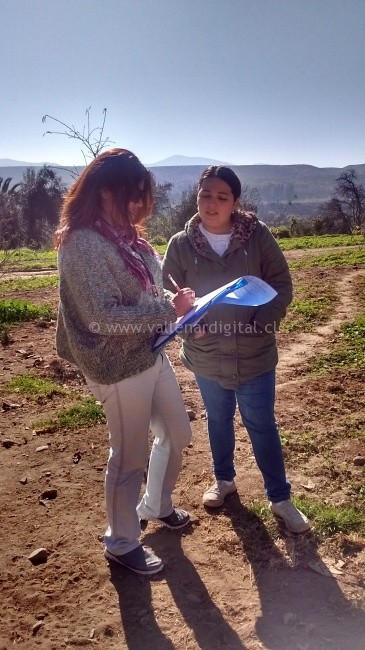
{"x":173,"y":282}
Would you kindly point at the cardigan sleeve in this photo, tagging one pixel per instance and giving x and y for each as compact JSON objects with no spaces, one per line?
{"x":104,"y":297}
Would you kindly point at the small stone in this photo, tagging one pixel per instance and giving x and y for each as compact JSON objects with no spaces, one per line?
{"x":8,"y":443}
{"x":23,"y":480}
{"x":76,"y":457}
{"x":359,"y":461}
{"x":42,"y":448}
{"x":39,"y":556}
{"x":36,"y":627}
{"x":191,"y":414}
{"x":7,"y":406}
{"x":309,"y":485}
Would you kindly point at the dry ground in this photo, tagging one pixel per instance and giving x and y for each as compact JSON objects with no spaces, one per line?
{"x":232,"y":579}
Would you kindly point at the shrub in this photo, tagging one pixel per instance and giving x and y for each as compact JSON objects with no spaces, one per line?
{"x":281,"y":232}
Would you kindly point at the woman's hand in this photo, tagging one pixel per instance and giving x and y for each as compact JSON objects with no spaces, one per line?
{"x":183,"y":300}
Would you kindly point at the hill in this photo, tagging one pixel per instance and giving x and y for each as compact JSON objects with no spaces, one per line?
{"x":186,"y":160}
{"x":303,"y":186}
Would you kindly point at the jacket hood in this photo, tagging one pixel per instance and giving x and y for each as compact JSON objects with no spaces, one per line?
{"x":244,"y":224}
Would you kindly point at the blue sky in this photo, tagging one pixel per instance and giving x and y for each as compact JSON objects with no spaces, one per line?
{"x":242,"y":81}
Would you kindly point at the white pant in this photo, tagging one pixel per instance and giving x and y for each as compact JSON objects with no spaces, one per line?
{"x":150,"y":400}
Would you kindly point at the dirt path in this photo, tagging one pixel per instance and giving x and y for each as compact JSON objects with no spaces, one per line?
{"x":307,"y":344}
{"x":27,"y":274}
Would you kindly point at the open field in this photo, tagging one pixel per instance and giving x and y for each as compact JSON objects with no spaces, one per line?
{"x":233,"y":579}
{"x":25,"y":259}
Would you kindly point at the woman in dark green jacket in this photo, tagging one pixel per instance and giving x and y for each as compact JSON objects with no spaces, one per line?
{"x":233,"y":352}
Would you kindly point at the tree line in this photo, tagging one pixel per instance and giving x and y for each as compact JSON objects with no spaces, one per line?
{"x":29,"y":210}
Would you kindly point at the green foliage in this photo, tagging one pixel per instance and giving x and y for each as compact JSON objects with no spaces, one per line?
{"x":16,"y":311}
{"x":11,"y":227}
{"x":160,"y":224}
{"x":84,"y":414}
{"x":185,"y":209}
{"x":5,"y":185}
{"x":349,"y":352}
{"x":160,"y":248}
{"x":280,"y":232}
{"x":34,"y":386}
{"x":29,"y":215}
{"x":28,"y":284}
{"x":345,"y":212}
{"x":158,"y":241}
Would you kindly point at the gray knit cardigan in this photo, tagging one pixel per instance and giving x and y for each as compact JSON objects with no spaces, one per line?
{"x":106,"y":322}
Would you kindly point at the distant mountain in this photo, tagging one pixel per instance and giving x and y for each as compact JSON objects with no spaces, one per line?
{"x":275,"y":183}
{"x":174,"y":161}
{"x":8,"y":162}
{"x":299,"y":188}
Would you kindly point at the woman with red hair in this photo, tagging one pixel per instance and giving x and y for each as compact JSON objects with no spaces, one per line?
{"x":112,"y":307}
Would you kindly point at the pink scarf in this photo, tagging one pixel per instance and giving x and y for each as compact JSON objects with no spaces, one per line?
{"x":130,"y":250}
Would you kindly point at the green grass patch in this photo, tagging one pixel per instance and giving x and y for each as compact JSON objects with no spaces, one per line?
{"x":324,"y":518}
{"x":34,"y":386}
{"x":17,"y":311}
{"x":26,"y":259}
{"x":303,"y":315}
{"x":336,"y":258}
{"x":28,"y":284}
{"x":349,"y":353}
{"x":328,"y":519}
{"x":354,"y":427}
{"x":321,"y":241}
{"x":314,"y":300}
{"x":304,"y":444}
{"x":84,"y":414}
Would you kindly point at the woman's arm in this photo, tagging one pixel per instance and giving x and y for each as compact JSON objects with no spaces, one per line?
{"x":88,"y":284}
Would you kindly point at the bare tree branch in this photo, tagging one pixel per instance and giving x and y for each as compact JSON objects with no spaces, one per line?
{"x":92,"y":138}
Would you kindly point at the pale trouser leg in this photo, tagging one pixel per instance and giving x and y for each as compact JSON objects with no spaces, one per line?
{"x":127,"y":406}
{"x":171,"y":428}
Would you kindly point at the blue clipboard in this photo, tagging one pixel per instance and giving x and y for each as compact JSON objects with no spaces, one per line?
{"x":247,"y":290}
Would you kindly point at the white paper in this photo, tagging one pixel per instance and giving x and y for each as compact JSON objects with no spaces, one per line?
{"x":256,"y":292}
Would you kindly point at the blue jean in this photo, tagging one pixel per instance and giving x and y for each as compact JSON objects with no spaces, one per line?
{"x":256,"y":400}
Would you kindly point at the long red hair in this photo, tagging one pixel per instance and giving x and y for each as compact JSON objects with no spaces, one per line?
{"x":121,"y":173}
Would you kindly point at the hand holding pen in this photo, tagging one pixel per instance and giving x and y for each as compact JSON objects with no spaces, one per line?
{"x":184,"y":299}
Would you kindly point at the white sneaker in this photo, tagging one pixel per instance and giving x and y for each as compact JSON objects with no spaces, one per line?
{"x":294,"y":519}
{"x":215,"y":495}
